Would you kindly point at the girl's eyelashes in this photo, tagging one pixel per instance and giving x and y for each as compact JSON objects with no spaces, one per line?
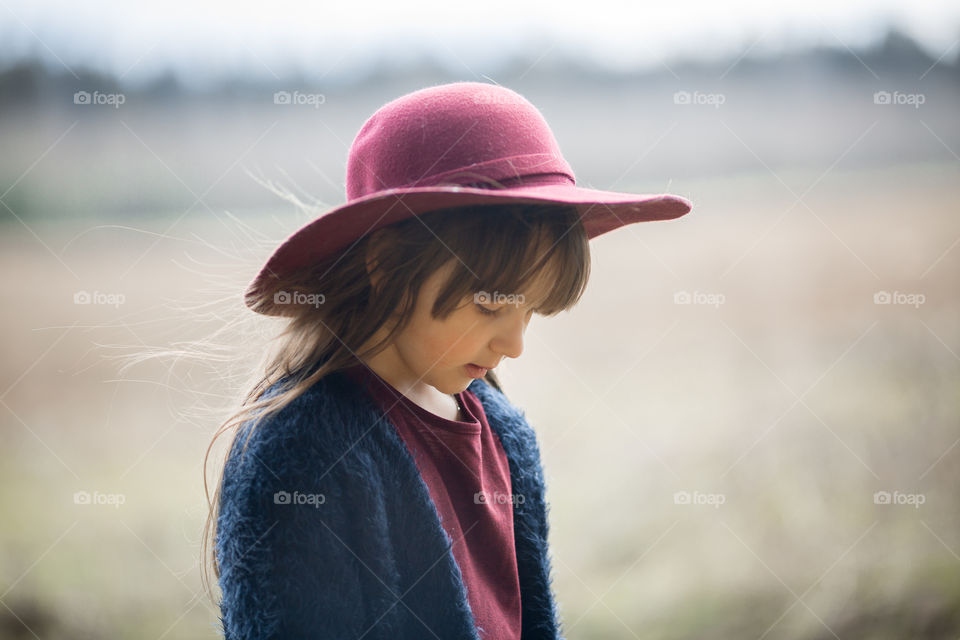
{"x":492,"y":312}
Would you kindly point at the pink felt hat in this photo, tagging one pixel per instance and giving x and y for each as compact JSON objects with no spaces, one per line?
{"x":465,"y":143}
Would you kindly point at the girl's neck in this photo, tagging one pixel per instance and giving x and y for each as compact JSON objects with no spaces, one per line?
{"x":420,"y":393}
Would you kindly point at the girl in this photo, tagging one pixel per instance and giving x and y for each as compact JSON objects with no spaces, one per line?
{"x":380,"y":484}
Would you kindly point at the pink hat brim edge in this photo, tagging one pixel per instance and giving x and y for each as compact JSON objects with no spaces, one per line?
{"x":601,"y":211}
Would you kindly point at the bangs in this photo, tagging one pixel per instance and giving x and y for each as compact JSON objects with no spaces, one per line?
{"x":538,"y":251}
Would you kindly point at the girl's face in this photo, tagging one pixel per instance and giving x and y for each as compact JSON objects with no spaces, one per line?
{"x":437,"y":352}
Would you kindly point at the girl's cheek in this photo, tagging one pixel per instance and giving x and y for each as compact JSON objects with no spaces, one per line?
{"x":462,"y":336}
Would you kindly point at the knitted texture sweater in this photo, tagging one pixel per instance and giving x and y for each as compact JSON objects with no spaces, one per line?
{"x":327,"y":530}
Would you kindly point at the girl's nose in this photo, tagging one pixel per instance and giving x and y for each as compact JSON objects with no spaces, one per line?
{"x":509,"y":339}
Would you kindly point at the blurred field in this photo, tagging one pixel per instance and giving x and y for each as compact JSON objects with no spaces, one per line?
{"x":793,"y":402}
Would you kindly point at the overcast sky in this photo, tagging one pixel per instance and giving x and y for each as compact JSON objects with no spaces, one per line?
{"x":138,"y":39}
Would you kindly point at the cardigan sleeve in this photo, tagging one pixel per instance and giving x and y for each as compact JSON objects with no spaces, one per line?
{"x":288,"y":568}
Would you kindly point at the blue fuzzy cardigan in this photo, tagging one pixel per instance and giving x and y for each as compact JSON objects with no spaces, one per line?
{"x":358,"y":551}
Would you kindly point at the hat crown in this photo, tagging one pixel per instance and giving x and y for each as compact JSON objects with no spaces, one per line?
{"x":465,"y":133}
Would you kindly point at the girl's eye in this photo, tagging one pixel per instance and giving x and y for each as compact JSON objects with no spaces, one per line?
{"x":487,"y":312}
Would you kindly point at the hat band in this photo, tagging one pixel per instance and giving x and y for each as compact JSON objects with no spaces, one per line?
{"x":534,"y":167}
{"x":530,"y":180}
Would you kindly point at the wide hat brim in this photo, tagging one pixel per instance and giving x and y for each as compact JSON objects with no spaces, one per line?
{"x":339,"y":229}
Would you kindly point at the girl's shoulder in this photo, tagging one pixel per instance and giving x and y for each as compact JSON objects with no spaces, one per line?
{"x":318,"y":424}
{"x":335,"y":417}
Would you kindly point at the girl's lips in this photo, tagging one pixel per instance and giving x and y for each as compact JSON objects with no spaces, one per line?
{"x":475,"y":372}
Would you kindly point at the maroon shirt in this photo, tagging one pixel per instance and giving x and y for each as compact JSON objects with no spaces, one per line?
{"x":459,"y":461}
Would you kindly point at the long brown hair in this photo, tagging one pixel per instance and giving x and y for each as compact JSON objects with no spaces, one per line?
{"x":495,"y":248}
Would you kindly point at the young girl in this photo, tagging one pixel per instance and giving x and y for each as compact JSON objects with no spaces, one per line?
{"x":380,"y":483}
